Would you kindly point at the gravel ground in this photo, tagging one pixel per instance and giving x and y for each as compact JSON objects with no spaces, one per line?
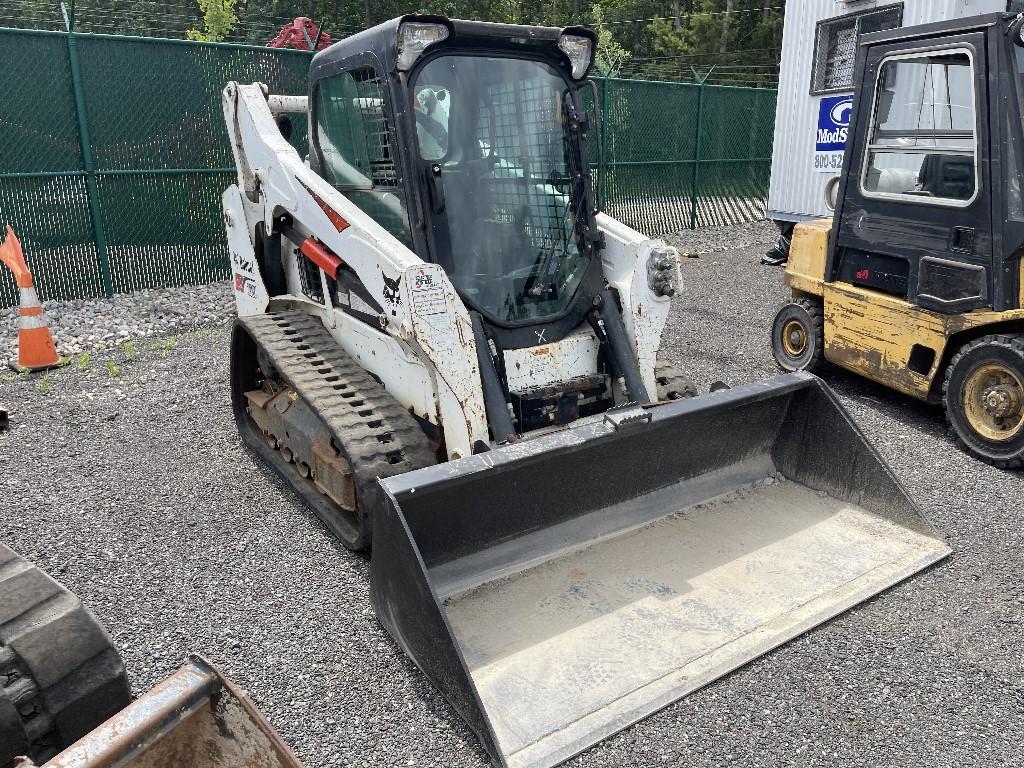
{"x":134,"y":490}
{"x":87,"y":325}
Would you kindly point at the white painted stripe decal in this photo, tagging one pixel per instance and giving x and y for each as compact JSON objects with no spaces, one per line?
{"x":29,"y":297}
{"x":31,"y":322}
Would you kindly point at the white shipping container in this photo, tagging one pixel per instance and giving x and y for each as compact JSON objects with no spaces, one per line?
{"x":815,"y":90}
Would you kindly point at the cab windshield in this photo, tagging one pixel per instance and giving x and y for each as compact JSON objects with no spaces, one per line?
{"x":506,"y":201}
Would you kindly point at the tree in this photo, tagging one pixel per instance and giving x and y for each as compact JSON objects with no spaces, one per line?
{"x":609,"y":56}
{"x":730,"y":9}
{"x":659,"y":39}
{"x":219,"y":18}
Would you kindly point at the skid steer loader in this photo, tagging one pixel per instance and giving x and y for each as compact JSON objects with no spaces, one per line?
{"x":917,"y":282}
{"x":442,"y":341}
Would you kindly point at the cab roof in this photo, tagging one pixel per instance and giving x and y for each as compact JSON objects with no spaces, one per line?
{"x":382,"y":40}
{"x":945,"y":27}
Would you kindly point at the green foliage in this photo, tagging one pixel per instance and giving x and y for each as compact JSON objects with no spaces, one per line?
{"x":113,"y":369}
{"x":219,"y":18}
{"x":168,"y":344}
{"x":738,"y":39}
{"x":610,"y":55}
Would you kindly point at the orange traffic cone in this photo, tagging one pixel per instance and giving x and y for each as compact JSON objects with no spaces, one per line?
{"x":36,"y":351}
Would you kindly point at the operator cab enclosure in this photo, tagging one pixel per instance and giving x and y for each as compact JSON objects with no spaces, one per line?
{"x":930,"y":207}
{"x":466,"y":141}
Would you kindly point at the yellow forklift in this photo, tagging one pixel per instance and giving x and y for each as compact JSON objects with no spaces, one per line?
{"x":916,"y":282}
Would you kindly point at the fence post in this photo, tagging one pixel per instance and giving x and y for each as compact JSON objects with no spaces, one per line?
{"x":85,"y":142}
{"x":603,"y":159}
{"x":698,"y":140}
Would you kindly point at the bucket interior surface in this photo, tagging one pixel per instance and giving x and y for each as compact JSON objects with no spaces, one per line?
{"x":569,"y":649}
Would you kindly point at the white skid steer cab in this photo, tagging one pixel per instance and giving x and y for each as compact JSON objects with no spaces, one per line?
{"x":443,"y":343}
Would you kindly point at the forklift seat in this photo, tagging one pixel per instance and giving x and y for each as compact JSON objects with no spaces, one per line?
{"x":948,"y":176}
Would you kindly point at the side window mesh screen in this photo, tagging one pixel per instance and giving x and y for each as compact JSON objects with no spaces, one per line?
{"x":521,"y":119}
{"x":357,"y":146}
{"x":309,"y":279}
{"x":353,"y":130}
{"x":375,"y":128}
{"x":835,"y":48}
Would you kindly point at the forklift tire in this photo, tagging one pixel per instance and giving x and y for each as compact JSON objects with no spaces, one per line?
{"x":983,"y":395}
{"x":673,"y":384}
{"x":60,"y":675}
{"x":798,"y":336}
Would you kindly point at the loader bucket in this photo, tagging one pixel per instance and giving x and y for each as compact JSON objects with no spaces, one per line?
{"x":195,"y":718}
{"x":562,"y":588}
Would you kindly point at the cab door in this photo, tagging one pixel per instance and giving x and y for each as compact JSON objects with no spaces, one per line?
{"x":914,"y":220}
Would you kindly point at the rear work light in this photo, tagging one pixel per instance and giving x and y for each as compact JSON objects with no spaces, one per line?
{"x":414,"y":37}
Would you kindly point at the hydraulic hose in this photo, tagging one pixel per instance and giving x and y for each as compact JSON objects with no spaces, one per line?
{"x":494,"y":395}
{"x":621,"y":349}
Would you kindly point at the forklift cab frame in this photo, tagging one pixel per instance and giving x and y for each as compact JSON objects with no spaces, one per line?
{"x":945,"y":241}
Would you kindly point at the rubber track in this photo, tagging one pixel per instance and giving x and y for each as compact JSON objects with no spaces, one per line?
{"x":377,"y":435}
{"x":669,"y":378}
{"x":60,"y":675}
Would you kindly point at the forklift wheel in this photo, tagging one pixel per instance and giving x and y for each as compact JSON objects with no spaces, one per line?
{"x":984,"y":399}
{"x":798,"y":335}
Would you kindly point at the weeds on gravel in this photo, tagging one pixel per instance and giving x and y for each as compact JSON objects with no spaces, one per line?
{"x":112,"y":369}
{"x":169,"y":343}
{"x":84,"y":360}
{"x":129,"y":349}
{"x":43,"y":385}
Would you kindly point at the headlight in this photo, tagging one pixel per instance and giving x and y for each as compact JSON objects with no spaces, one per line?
{"x":579,"y":50}
{"x":414,"y":37}
{"x":663,"y":276}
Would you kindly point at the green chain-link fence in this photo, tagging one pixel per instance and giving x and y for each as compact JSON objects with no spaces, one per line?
{"x":114,"y":155}
{"x":683,"y":155}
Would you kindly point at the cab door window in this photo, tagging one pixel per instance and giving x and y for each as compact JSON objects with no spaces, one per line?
{"x":923,"y":145}
{"x":356,"y":146}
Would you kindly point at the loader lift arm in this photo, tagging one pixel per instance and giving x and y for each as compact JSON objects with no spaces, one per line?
{"x":274,"y":181}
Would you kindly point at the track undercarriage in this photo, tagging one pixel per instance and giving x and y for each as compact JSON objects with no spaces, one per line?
{"x":321,"y":421}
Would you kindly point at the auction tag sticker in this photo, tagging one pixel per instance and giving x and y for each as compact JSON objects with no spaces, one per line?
{"x":833,"y":129}
{"x":428,"y":296}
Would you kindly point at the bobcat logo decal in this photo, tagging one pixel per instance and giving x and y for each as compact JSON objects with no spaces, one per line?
{"x":391,"y":294}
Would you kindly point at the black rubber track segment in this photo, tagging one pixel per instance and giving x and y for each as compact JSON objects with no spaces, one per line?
{"x":375,"y":434}
{"x":60,"y":675}
{"x":673,"y":384}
